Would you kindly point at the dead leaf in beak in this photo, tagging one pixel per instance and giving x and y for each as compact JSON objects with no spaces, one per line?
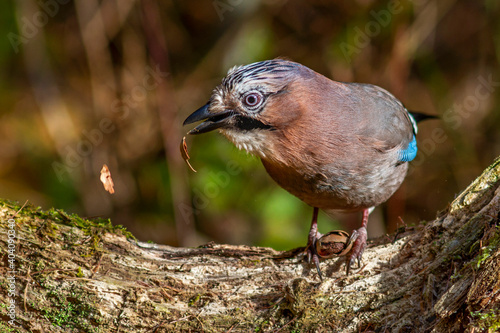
{"x":184,"y":153}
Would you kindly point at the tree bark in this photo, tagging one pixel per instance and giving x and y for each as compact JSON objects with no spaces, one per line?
{"x":62,"y":273}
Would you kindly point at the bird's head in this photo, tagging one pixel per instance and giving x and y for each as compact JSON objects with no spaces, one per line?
{"x":251,"y":103}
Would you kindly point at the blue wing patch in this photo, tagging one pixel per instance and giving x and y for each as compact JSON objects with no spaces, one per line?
{"x":408,"y":154}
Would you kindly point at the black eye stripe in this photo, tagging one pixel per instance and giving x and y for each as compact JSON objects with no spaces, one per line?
{"x":249,"y":124}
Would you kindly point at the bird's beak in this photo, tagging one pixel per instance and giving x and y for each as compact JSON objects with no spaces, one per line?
{"x":212,"y":120}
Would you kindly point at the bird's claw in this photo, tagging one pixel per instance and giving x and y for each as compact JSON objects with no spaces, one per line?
{"x":316,"y":263}
{"x":350,"y":263}
{"x":313,"y":256}
{"x":357,"y":249}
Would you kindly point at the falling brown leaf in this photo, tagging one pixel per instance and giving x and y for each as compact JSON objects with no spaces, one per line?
{"x":106,"y":179}
{"x":184,"y":153}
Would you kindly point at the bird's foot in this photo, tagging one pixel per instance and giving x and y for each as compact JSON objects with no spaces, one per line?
{"x":313,"y":237}
{"x":312,"y":256}
{"x":357,"y":249}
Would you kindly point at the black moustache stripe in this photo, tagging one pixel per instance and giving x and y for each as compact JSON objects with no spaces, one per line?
{"x":248,"y":124}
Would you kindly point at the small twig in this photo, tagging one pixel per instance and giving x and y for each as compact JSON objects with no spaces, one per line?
{"x":63,"y":215}
{"x":400,"y":230}
{"x":182,"y":319}
{"x":53,"y":270}
{"x":288,"y":254}
{"x":157,"y":326}
{"x":360,"y":269}
{"x":176,"y":290}
{"x":20,"y":209}
{"x":198,"y":319}
{"x":164,"y":293}
{"x":291,"y":321}
{"x":402,"y":221}
{"x":356,"y":291}
{"x":69,"y":278}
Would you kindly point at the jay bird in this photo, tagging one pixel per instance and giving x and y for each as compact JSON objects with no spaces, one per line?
{"x":336,"y":146}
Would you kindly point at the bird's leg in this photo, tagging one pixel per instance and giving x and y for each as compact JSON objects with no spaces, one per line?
{"x":359,"y":245}
{"x":311,"y":242}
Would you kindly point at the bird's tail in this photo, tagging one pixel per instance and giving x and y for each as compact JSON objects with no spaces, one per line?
{"x":422,"y":116}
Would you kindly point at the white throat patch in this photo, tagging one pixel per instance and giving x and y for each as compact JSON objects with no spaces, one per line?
{"x":254,"y":142}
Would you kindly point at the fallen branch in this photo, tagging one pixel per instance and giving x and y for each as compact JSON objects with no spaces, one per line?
{"x":75,"y":275}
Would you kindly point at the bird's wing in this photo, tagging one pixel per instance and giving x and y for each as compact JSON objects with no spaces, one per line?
{"x":385,"y":122}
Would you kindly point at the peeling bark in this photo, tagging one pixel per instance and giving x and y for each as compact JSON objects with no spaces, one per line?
{"x":76,"y":275}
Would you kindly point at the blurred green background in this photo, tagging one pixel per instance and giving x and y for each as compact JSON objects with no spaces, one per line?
{"x":86,"y":83}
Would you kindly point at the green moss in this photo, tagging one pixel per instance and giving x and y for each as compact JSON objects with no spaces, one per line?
{"x":489,"y":249}
{"x":488,"y":321}
{"x":46,"y":224}
{"x":90,"y":226}
{"x":200,"y":300}
{"x":60,"y":302}
{"x":4,"y":328}
{"x":304,"y":308}
{"x":194,"y":300}
{"x":73,"y":312}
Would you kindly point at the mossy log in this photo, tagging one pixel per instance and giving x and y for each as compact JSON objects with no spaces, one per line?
{"x":62,"y":273}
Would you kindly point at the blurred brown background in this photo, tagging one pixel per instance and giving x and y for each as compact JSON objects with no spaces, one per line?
{"x":89,"y":82}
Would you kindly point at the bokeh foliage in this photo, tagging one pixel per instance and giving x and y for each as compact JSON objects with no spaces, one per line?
{"x":89,"y":82}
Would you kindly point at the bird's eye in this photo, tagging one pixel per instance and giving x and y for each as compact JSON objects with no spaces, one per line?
{"x":253,"y":99}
